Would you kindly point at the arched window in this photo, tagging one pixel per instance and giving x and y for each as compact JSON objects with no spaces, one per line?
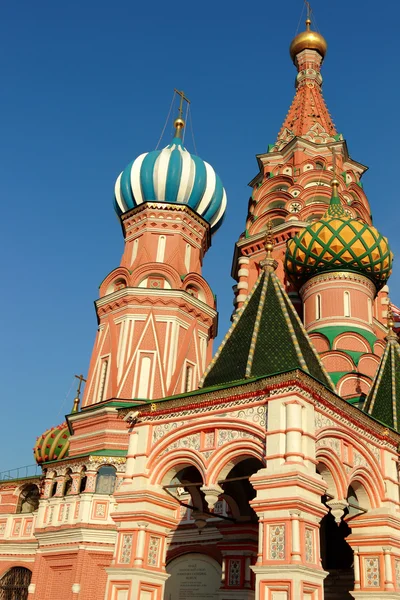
{"x":319,"y":165}
{"x":188,"y":253}
{"x":318,"y":307}
{"x":67,"y":483}
{"x":82,"y":483}
{"x":161,"y":248}
{"x":346,"y":301}
{"x":370,"y":311}
{"x":103,"y":379}
{"x":188,"y":378}
{"x":53,"y":489}
{"x":105,"y":480}
{"x":14,"y":584}
{"x":28,"y":499}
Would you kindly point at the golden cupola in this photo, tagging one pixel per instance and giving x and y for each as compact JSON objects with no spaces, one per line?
{"x":308,"y":40}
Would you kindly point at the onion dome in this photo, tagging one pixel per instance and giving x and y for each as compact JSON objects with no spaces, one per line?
{"x":308,"y":40}
{"x":53,"y":444}
{"x":337,"y":242}
{"x":172,"y":175}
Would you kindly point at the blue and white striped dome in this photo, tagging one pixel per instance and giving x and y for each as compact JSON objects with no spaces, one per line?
{"x":172,"y":175}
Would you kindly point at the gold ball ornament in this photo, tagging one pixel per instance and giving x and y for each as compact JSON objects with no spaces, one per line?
{"x":308,"y":40}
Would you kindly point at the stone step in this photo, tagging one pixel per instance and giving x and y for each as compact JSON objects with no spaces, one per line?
{"x":338,"y":584}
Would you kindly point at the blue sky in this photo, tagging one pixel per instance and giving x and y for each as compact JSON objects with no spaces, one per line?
{"x":86,"y":87}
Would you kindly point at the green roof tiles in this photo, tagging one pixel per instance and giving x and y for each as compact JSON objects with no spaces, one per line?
{"x":265,"y":338}
{"x":383,"y":401}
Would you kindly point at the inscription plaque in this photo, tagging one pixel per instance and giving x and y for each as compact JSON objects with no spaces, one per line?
{"x":193,"y":577}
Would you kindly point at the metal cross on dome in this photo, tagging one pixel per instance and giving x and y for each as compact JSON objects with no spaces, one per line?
{"x":183,"y":99}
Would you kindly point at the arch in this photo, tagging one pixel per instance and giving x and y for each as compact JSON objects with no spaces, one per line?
{"x":320,"y":341}
{"x":351,"y":341}
{"x":197,"y":280}
{"x":368,"y":365}
{"x":15,"y":582}
{"x":366,"y":487}
{"x":337,"y":361}
{"x":379,"y":347}
{"x":105,"y":479}
{"x":229,"y":456}
{"x":67,"y":483}
{"x":333,"y":472}
{"x":156,"y":268}
{"x":352,"y":385}
{"x":106,"y":286}
{"x":165,"y":469}
{"x":29,"y":498}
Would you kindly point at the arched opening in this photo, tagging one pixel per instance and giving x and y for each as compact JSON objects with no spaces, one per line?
{"x":28,"y":500}
{"x":67,"y":483}
{"x":53,"y":489}
{"x":14,"y":584}
{"x":83,"y":481}
{"x":105,"y":480}
{"x":336,"y":554}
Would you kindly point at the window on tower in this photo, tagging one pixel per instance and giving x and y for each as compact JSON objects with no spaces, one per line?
{"x":317,"y":307}
{"x":347,"y":304}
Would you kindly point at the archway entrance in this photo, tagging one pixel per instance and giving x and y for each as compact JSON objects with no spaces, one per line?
{"x":193,"y":576}
{"x":14,"y":584}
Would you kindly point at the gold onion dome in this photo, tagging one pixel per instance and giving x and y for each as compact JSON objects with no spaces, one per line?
{"x":337,"y":242}
{"x":308,"y":40}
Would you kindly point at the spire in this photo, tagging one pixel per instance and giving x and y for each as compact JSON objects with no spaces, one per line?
{"x":383,"y":401}
{"x":266,"y":337}
{"x":308,"y":116}
{"x":335,"y":208}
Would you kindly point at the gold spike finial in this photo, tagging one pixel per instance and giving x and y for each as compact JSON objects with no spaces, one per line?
{"x":269,"y":263}
{"x":77,"y":399}
{"x":390,"y":323}
{"x":179,"y":123}
{"x":334,"y":181}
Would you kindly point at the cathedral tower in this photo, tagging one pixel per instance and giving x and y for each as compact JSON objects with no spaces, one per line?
{"x":157,"y":314}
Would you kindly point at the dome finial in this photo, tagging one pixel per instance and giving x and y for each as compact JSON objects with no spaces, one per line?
{"x":179,"y":123}
{"x":308,"y":39}
{"x":390,"y":323}
{"x":77,"y":399}
{"x":269,"y":263}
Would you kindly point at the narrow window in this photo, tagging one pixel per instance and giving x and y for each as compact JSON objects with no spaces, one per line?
{"x":318,"y":307}
{"x":135,"y":247}
{"x":161,"y":249}
{"x":187,"y":257}
{"x":103,"y":378}
{"x":188,"y":378}
{"x":144,"y":380}
{"x":346,"y":300}
{"x":369,"y":310}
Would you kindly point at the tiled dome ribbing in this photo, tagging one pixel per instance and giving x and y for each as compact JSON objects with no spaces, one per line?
{"x":338,"y":242}
{"x":172,"y":175}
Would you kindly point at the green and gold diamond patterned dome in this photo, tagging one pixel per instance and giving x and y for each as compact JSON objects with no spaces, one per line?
{"x":338,"y":242}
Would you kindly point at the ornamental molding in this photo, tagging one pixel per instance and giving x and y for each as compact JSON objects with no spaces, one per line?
{"x":254,"y":415}
{"x":338,"y":276}
{"x":90,"y":462}
{"x":329,"y":417}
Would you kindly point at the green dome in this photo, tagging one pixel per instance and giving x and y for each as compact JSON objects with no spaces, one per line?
{"x":53,"y":444}
{"x":337,"y":242}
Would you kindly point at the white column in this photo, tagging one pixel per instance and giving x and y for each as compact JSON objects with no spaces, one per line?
{"x":130,"y":458}
{"x":388,"y":568}
{"x":296,"y":553}
{"x":357,"y":584}
{"x":293,"y":432}
{"x":141,"y":538}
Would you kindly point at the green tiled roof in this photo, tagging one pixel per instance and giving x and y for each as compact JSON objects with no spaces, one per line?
{"x":265,"y":338}
{"x":383,"y":401}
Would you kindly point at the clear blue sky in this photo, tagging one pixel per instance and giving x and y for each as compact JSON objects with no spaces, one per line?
{"x":86,"y":87}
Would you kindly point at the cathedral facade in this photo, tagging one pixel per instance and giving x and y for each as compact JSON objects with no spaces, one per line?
{"x":265,"y":471}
